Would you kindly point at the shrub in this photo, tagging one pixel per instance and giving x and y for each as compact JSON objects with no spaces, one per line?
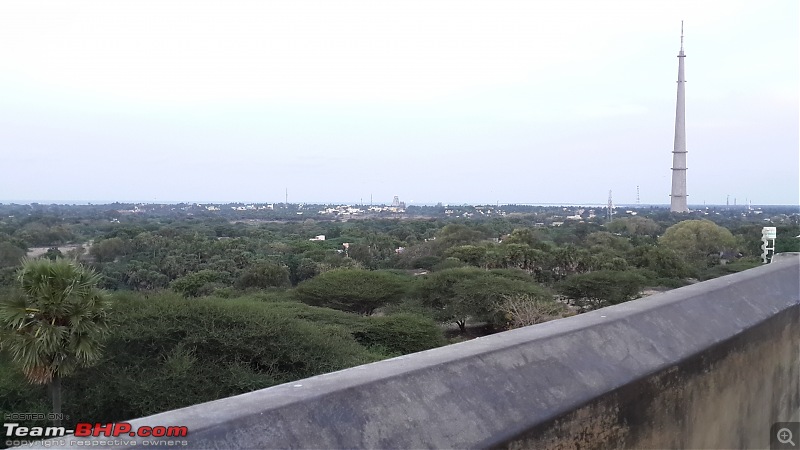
{"x":524,"y":310}
{"x":168,"y":352}
{"x":400,"y":334}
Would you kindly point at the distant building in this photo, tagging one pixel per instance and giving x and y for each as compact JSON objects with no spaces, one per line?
{"x":320,"y":237}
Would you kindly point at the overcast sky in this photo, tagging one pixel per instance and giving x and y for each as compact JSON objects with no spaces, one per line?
{"x":451,"y":101}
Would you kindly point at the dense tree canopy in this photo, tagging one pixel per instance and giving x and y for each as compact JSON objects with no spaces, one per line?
{"x":697,"y":240}
{"x":216,"y":302}
{"x":635,"y":226}
{"x":359,"y":291}
{"x":264,"y":275}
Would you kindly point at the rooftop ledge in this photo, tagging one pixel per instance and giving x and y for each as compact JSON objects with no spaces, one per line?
{"x":495,"y":390}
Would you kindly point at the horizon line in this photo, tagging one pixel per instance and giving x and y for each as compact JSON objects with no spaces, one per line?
{"x":176,"y":202}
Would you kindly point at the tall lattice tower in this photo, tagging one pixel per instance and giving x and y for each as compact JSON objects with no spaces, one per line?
{"x":678,"y":196}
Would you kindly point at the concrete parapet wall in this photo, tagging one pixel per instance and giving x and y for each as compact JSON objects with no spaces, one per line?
{"x":711,"y":365}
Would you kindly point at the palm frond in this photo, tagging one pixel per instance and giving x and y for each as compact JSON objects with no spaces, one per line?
{"x":58,"y":322}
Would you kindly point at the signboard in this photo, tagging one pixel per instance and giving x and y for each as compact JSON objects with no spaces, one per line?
{"x":769,"y":232}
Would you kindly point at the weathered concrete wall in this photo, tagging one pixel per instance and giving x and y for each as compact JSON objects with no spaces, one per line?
{"x":726,"y":397}
{"x":711,"y":365}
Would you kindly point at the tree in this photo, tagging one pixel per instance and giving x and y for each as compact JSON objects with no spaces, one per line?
{"x":696,"y":240}
{"x":108,"y":249}
{"x":602,"y":288}
{"x":605,"y":242}
{"x":470,"y":254}
{"x":57,"y":323}
{"x":53,"y":253}
{"x":141,"y":279}
{"x":478,"y":298}
{"x":264,"y":275}
{"x":352,"y":290}
{"x":664,"y":262}
{"x":455,"y":234}
{"x":524,"y":310}
{"x":525,"y":236}
{"x":438,"y":293}
{"x":456,"y":295}
{"x":521,"y":256}
{"x":306,"y":269}
{"x":168,"y":352}
{"x":10,"y":254}
{"x":568,"y":260}
{"x":400,"y":334}
{"x":787,"y":240}
{"x":634,"y":226}
{"x":425,"y":262}
{"x":197,"y":283}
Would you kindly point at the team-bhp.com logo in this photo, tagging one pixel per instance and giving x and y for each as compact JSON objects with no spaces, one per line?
{"x":14,"y":432}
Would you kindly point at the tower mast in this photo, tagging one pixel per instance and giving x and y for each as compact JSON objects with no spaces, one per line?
{"x":678,"y":197}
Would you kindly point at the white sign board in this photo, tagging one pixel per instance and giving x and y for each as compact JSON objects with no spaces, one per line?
{"x":769,"y":232}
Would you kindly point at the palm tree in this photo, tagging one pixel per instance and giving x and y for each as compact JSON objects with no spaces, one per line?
{"x":55,"y":324}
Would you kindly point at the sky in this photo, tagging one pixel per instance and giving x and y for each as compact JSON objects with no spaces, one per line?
{"x":433,"y":101}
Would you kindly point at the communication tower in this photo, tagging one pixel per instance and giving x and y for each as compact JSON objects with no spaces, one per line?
{"x":678,"y":201}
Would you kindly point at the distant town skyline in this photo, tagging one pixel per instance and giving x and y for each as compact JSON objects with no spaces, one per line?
{"x":452,"y":102}
{"x":733,"y":203}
